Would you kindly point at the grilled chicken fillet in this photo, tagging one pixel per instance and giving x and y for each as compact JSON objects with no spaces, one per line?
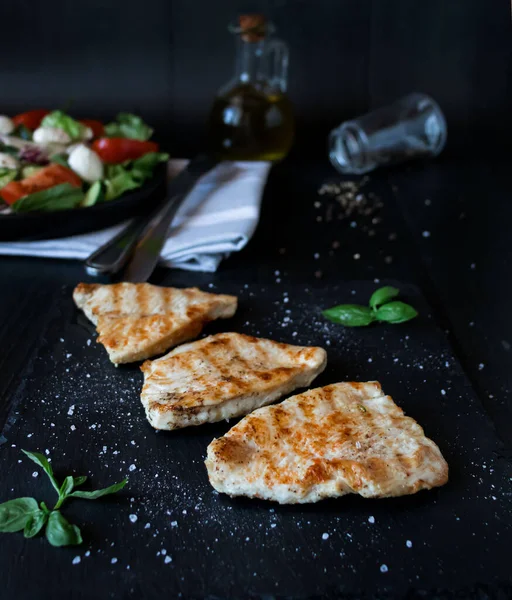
{"x":138,"y":320}
{"x":346,"y":438}
{"x":222,"y":376}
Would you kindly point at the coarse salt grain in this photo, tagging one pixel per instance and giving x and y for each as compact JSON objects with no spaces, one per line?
{"x":113,"y":561}
{"x":325,"y":536}
{"x":384,"y":569}
{"x":357,"y":256}
{"x":426,"y":234}
{"x":76,"y":560}
{"x":371,"y":519}
{"x":167,"y":560}
{"x":132,"y":468}
{"x":133,"y":518}
{"x":408,"y":543}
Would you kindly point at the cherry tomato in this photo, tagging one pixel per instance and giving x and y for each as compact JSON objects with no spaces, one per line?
{"x":97,"y":127}
{"x":42,"y":180}
{"x":117,"y":150}
{"x":31,"y":119}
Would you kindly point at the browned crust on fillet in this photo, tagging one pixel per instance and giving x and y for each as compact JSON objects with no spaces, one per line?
{"x":221,"y":355}
{"x":224,"y":375}
{"x":138,"y":321}
{"x":347,"y":442}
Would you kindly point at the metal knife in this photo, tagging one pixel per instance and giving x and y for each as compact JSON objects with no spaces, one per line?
{"x":141,"y":242}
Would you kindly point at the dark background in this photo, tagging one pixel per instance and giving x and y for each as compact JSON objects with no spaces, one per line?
{"x":166,"y":59}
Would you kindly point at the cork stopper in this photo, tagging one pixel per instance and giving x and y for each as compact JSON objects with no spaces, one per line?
{"x":253,"y":27}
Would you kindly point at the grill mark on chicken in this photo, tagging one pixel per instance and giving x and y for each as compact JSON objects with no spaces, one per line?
{"x":224,"y":375}
{"x":321,"y":443}
{"x":138,"y":321}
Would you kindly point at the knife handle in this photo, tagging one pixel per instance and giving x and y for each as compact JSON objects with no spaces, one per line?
{"x":144,"y":237}
{"x":110,"y":258}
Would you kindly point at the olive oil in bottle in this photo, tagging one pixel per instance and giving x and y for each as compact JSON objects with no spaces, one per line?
{"x":252,"y":118}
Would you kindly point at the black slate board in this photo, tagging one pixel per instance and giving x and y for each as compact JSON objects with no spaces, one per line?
{"x":189,"y":541}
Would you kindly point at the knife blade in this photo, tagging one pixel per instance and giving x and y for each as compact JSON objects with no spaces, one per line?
{"x":154,"y":234}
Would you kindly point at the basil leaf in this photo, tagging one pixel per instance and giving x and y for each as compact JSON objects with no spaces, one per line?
{"x":58,"y":197}
{"x":67,"y":486}
{"x":79,"y":480}
{"x":130,"y":126}
{"x":42,"y":461}
{"x":14,"y":514}
{"x":120,"y":184}
{"x":61,"y":120}
{"x":65,"y":489}
{"x":35,"y":523}
{"x":6,"y":176}
{"x":350,"y":315}
{"x":99,"y":493}
{"x":383,"y":295}
{"x":396,"y":312}
{"x":59,"y":532}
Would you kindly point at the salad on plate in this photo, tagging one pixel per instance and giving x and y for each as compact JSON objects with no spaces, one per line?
{"x":50,"y":161}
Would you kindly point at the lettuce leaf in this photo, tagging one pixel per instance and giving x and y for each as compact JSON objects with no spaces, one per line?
{"x":119,"y":185}
{"x":61,"y":120}
{"x":6,"y":176}
{"x":132,"y":174}
{"x":130,"y":126}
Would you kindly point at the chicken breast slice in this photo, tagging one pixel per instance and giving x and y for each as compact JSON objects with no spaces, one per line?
{"x":345,"y":438}
{"x":136,"y":321}
{"x":223,"y":376}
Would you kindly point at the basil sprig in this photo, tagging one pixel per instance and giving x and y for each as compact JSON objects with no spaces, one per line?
{"x":24,"y":514}
{"x":381,"y":308}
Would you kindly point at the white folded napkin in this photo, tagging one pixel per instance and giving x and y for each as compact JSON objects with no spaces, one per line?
{"x":218,"y":217}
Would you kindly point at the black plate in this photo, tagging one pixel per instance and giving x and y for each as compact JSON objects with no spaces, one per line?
{"x":40,"y":226}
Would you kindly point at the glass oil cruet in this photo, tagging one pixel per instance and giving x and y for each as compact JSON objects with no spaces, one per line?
{"x":251,"y":117}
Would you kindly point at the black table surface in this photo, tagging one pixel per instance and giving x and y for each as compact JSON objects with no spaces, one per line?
{"x":443,"y":227}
